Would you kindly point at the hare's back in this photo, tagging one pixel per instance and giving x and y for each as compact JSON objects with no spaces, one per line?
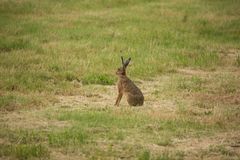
{"x":134,"y":94}
{"x":130,"y":87}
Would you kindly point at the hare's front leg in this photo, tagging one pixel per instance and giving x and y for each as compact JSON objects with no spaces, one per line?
{"x":118,"y":98}
{"x":120,"y":94}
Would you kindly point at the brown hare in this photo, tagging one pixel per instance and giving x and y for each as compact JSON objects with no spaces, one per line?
{"x":127,"y":87}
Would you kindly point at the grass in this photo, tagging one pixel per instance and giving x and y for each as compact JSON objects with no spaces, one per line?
{"x":91,"y":127}
{"x":194,"y":83}
{"x":224,"y":152}
{"x":24,"y":151}
{"x":102,"y":79}
{"x":203,"y":107}
{"x":108,"y":133}
{"x":12,"y":101}
{"x":73,"y":136}
{"x":166,"y":155}
{"x":63,"y":55}
{"x":38,"y":38}
{"x":238,"y":60}
{"x":131,"y":120}
{"x":144,"y":156}
{"x":221,"y":149}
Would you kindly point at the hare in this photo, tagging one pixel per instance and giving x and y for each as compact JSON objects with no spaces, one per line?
{"x":127,"y":87}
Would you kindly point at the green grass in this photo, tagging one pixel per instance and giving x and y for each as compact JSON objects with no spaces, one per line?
{"x":91,"y":128}
{"x":87,"y":41}
{"x":68,"y":137}
{"x":145,"y":156}
{"x":11,"y":101}
{"x":25,"y":151}
{"x":92,"y":125}
{"x":190,"y":84}
{"x":14,"y":101}
{"x":166,"y":155}
{"x":51,"y":51}
{"x":131,"y":120}
{"x":102,"y":79}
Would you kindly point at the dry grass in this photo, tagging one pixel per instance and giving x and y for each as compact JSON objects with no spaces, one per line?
{"x":175,"y":122}
{"x":58,"y":60}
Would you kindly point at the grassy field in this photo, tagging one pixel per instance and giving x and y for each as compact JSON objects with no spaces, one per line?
{"x":57,"y":79}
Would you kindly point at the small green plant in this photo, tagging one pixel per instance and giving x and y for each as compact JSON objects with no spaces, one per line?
{"x":145,"y":155}
{"x":164,"y":141}
{"x":70,"y":76}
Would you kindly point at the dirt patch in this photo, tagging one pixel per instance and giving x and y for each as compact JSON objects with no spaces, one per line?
{"x":195,"y":146}
{"x":194,"y":72}
{"x":95,"y":96}
{"x":29,"y":120}
{"x":233,"y":99}
{"x":62,"y":155}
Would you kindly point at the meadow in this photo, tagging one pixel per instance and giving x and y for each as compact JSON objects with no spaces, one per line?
{"x":57,"y":79}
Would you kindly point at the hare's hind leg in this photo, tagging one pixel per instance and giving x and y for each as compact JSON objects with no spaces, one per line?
{"x":118,"y":99}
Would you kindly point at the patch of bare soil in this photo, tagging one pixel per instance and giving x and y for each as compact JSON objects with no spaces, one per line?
{"x":227,"y":139}
{"x":233,"y":99}
{"x":205,"y":73}
{"x":95,"y":97}
{"x":220,"y":146}
{"x":61,"y":155}
{"x":229,"y":56}
{"x":31,"y":119}
{"x":193,"y":72}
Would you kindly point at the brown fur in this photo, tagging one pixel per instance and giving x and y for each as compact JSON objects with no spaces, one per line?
{"x":127,"y":87}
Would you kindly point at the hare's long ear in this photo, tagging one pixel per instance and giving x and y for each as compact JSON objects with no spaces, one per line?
{"x":122,"y":61}
{"x":127,"y":62}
